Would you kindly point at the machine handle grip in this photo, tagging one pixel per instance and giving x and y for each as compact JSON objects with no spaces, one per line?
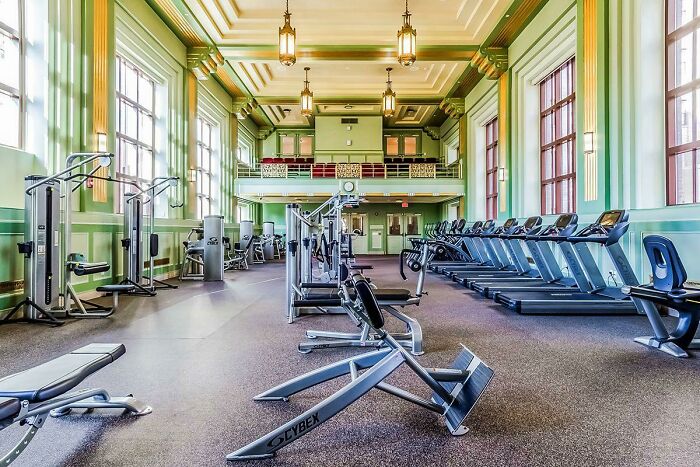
{"x":401,"y":260}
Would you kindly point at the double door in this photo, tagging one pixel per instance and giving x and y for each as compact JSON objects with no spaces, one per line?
{"x":400,"y":228}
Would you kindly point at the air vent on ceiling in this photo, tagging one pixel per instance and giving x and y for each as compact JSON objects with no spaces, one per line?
{"x":348,"y":121}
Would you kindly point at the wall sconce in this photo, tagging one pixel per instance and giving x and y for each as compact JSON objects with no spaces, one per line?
{"x":502,"y":174}
{"x":101,"y":142}
{"x":588,"y":143}
{"x":192,"y":175}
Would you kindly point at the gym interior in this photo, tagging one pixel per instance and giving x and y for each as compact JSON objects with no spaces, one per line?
{"x":388,"y":232}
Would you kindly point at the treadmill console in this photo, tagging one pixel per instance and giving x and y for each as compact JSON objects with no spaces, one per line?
{"x":509,"y":223}
{"x":488,"y":225}
{"x":564,"y":226}
{"x":609,"y":219}
{"x":531,"y":222}
{"x":565,"y":219}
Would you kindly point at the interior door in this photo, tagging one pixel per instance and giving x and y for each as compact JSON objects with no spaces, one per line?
{"x":356,"y":224}
{"x":395,"y":227}
{"x":400,"y":228}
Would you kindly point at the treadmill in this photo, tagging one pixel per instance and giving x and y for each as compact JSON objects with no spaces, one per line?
{"x":551,"y":277}
{"x":520,"y":267}
{"x":488,"y":250}
{"x":465,"y":243}
{"x":601,"y":299}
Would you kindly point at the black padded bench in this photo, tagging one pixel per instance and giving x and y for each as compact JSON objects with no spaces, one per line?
{"x":385,"y":295}
{"x":28,"y":396}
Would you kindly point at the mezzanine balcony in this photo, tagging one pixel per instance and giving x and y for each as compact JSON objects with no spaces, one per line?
{"x":397,"y":167}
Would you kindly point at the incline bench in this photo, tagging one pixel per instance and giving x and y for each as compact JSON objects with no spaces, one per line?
{"x":27,"y":397}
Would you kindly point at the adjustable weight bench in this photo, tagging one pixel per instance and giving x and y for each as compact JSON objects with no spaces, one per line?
{"x":455,"y":390}
{"x":29,"y":396}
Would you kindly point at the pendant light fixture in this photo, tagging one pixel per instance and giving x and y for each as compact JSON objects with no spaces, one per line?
{"x":406,"y":40}
{"x":288,"y":38}
{"x":388,"y":97}
{"x":307,"y":97}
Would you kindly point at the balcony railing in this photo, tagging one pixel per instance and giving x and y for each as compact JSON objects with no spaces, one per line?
{"x":367,"y":170}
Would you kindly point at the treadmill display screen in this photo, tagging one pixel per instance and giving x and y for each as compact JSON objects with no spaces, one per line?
{"x":610,"y":218}
{"x":531,"y":222}
{"x":563,"y":221}
{"x":509,"y":223}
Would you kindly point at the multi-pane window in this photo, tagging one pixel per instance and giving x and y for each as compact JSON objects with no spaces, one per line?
{"x":136,"y":94}
{"x":11,"y":72}
{"x":492,"y":169}
{"x":287,"y":144}
{"x":558,"y":140}
{"x":410,"y":145}
{"x":683,"y":101}
{"x":244,"y":152}
{"x":204,"y":167}
{"x":392,"y":145}
{"x":306,"y":145}
{"x":452,"y":154}
{"x":243,"y":212}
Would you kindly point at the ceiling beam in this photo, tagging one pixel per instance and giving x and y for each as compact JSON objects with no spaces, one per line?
{"x":365,"y":53}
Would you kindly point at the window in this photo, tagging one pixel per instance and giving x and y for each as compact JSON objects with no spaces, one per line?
{"x":452,"y":154}
{"x":287,"y":143}
{"x":244,"y":152}
{"x":135,"y":126}
{"x":683,"y":101}
{"x":306,"y":145}
{"x":392,"y":145}
{"x":410,"y":145}
{"x":243,"y":212}
{"x":452,"y":211}
{"x":558,"y":141}
{"x":492,"y":169}
{"x":204,"y":167}
{"x":11,"y":72}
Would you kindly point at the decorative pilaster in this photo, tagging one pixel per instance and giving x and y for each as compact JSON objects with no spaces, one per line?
{"x":591,"y":101}
{"x":504,"y":193}
{"x":100,"y":88}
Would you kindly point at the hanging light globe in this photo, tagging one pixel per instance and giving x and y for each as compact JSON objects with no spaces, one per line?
{"x":307,"y":97}
{"x":287,"y":40}
{"x":388,"y":97}
{"x":406,"y":40}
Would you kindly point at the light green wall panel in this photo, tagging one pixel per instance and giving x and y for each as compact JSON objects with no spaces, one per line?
{"x":332,"y":135}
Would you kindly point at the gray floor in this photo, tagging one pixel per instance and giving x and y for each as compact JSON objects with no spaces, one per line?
{"x":568,"y":390}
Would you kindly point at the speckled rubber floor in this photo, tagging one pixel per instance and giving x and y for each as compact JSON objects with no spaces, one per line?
{"x":567,"y":390}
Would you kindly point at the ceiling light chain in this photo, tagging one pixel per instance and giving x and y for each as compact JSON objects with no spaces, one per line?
{"x":388,"y":97}
{"x":287,"y":40}
{"x":406,"y":40}
{"x":307,"y":97}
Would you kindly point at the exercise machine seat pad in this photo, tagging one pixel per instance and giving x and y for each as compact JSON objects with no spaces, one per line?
{"x":361,"y":266}
{"x":9,"y":408}
{"x":388,"y":294}
{"x":57,"y":376}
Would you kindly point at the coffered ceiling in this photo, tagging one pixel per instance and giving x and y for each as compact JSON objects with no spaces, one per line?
{"x":333,"y":22}
{"x":348,"y":45}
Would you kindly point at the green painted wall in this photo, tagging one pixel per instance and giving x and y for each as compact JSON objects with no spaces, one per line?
{"x":62,"y":60}
{"x":332,"y":135}
{"x":376,"y":213}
